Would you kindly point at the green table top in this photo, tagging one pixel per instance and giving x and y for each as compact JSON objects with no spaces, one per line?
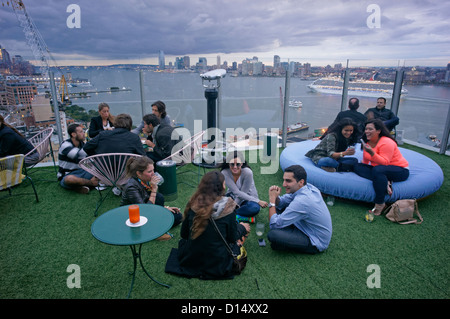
{"x":111,"y":228}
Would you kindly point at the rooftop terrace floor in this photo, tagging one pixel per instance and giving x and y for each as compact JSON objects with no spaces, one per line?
{"x":40,"y":240}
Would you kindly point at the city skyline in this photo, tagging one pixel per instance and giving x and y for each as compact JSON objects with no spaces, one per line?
{"x":317,"y":32}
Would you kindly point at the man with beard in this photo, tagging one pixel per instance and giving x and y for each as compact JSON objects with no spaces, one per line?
{"x":70,"y":153}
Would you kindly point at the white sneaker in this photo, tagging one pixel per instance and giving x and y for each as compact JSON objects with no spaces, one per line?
{"x":116,"y":191}
{"x":100,"y":187}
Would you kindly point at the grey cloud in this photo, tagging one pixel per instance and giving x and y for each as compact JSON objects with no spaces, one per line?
{"x":137,"y":28}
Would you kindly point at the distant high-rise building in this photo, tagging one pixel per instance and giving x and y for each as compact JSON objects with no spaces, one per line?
{"x":21,"y":67}
{"x":276,"y":61}
{"x":161,"y":60}
{"x":307,"y":68}
{"x":187,"y":61}
{"x":218,"y":61}
{"x":202,"y":64}
{"x":5,"y":60}
{"x":21,"y":95}
{"x":257,"y":68}
{"x":179,"y":63}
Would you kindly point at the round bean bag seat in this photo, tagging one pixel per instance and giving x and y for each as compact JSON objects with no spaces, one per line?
{"x":425,"y":176}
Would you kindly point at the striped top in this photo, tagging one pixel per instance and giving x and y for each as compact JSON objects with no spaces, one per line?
{"x":69,"y":156}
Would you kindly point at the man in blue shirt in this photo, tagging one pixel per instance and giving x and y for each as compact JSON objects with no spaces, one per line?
{"x":299,"y":220}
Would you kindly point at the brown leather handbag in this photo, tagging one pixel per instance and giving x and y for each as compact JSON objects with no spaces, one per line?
{"x":403,"y":211}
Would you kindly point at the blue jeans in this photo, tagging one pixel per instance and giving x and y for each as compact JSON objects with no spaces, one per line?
{"x":380,"y":175}
{"x":248,"y":209}
{"x":291,"y":238}
{"x":346,"y":163}
{"x":79,"y":172}
{"x":392,"y":123}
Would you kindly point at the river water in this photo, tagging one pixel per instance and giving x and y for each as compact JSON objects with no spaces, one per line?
{"x":247,"y":102}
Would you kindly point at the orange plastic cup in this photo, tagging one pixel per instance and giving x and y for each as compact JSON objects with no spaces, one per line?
{"x":133,"y":212}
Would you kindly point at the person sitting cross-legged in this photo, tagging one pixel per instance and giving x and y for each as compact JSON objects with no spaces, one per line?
{"x":334,"y":151}
{"x":299,"y":220}
{"x":70,"y":174}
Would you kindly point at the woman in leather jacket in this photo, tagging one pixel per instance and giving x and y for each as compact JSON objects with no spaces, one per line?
{"x":142,"y":187}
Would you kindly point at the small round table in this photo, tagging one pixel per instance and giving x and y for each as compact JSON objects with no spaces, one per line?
{"x":111,"y":228}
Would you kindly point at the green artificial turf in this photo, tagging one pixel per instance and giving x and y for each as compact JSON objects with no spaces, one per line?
{"x":40,"y":240}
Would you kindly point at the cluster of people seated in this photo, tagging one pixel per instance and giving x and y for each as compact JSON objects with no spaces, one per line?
{"x":299,"y":220}
{"x":382,"y":161}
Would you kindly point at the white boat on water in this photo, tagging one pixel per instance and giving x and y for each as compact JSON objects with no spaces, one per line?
{"x":367,"y":88}
{"x":83,"y":83}
{"x":296,"y":127}
{"x":295,"y":104}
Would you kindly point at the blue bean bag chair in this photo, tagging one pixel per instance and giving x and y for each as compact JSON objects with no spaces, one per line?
{"x":425,"y":177}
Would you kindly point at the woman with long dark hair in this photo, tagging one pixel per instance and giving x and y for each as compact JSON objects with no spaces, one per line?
{"x":201,"y":251}
{"x":339,"y":142}
{"x":241,"y":186}
{"x":104,"y":121}
{"x":382,"y":162}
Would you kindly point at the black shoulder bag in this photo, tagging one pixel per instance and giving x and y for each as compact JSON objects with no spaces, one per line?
{"x":239,"y":262}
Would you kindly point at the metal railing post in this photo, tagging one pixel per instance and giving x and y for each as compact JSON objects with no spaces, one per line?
{"x":56,"y":106}
{"x":444,"y":141}
{"x":141,"y":83}
{"x":397,"y":91}
{"x":285,"y":107}
{"x":345,"y":89}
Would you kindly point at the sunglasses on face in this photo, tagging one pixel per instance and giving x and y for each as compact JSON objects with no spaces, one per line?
{"x":235,"y":164}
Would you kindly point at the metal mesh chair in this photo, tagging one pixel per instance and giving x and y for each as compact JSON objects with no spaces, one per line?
{"x":187,"y":154}
{"x":11,"y":174}
{"x":42,"y":148}
{"x":109,"y":168}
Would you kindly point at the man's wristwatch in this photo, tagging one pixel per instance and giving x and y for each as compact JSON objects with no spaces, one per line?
{"x":271,"y":205}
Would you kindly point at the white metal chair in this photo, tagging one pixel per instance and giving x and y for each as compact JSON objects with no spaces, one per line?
{"x":42,"y":148}
{"x":187,"y":154}
{"x":110,"y":169}
{"x":11,"y":174}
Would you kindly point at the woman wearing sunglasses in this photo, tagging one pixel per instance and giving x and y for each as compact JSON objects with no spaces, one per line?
{"x":241,"y":186}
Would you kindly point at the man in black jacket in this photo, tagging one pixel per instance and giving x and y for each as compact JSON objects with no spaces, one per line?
{"x":118,"y":140}
{"x":160,"y":138}
{"x":381,"y":112}
{"x":352,"y":113}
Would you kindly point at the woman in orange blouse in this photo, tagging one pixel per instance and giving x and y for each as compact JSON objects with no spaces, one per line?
{"x":382,"y":162}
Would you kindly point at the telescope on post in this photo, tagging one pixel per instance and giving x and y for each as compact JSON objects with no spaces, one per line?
{"x":211,"y":83}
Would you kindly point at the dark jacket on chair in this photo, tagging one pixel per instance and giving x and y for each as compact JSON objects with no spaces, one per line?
{"x":163,"y":141}
{"x":119,"y":140}
{"x":12,"y":143}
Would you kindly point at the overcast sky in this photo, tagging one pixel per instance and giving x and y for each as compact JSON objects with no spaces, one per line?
{"x":409,"y":32}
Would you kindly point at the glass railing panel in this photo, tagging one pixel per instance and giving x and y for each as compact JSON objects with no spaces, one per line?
{"x":256,"y":101}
